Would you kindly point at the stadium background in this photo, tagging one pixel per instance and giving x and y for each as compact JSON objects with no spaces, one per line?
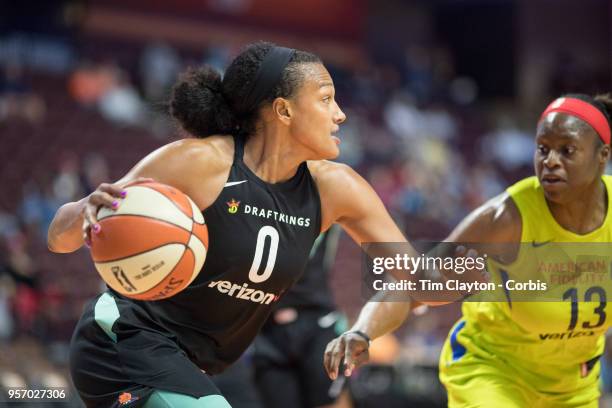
{"x":442,"y":98}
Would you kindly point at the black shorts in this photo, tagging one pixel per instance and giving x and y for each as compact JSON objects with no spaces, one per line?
{"x":289,"y":359}
{"x":144,"y":358}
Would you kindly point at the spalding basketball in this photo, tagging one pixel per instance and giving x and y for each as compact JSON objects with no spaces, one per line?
{"x":153,"y":245}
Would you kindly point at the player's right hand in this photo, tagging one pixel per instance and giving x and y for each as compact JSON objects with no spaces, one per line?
{"x":106,"y":195}
{"x":349,"y":347}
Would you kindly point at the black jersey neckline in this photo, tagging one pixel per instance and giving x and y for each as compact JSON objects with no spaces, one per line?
{"x":281,"y":186}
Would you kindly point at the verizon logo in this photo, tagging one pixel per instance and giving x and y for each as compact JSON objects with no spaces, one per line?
{"x":243,"y":292}
{"x":566,"y":335}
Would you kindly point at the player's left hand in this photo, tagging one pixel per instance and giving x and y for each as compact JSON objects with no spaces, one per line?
{"x":350,"y":347}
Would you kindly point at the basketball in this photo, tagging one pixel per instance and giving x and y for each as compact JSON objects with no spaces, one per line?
{"x":153,"y":245}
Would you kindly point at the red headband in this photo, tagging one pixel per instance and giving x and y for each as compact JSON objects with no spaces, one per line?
{"x":582,"y":110}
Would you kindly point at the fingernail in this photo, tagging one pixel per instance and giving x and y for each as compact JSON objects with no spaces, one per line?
{"x":347,"y":373}
{"x":96,"y":228}
{"x":88,"y":242}
{"x":123,"y":193}
{"x":334,"y":376}
{"x":115,"y":204}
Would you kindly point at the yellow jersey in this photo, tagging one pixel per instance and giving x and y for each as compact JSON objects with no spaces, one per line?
{"x":552,"y":345}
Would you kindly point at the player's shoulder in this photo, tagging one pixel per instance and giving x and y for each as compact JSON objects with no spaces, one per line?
{"x":194,"y":158}
{"x":209,"y":151}
{"x":198,"y":167}
{"x":501,"y":210}
{"x":497,"y":220}
{"x":343,"y":192}
{"x":329,"y":174}
{"x":503,"y":217}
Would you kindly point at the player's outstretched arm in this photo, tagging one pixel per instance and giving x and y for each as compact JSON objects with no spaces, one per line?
{"x":347,"y":199}
{"x":496,"y":221}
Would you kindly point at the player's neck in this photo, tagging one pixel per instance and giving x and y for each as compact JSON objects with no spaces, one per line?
{"x":272,"y":156}
{"x":585,"y":213}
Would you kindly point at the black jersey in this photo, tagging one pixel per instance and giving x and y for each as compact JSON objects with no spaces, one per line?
{"x":312,"y":290}
{"x":260,"y":236}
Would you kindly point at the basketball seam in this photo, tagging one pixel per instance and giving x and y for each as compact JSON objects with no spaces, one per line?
{"x":165,"y":197}
{"x":156,"y":219}
{"x":173,"y":268}
{"x":188,"y":247}
{"x":193,"y":252}
{"x":172,"y":201}
{"x":200,"y":211}
{"x":196,"y":273}
{"x":143,"y":252}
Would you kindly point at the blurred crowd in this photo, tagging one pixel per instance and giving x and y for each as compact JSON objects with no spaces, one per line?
{"x":416,"y":130}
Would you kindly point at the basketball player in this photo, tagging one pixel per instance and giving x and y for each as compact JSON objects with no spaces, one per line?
{"x":288,"y":349}
{"x":257,"y":170}
{"x":524,"y":354}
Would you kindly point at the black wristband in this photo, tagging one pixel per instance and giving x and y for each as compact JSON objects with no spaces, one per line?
{"x":363,"y":335}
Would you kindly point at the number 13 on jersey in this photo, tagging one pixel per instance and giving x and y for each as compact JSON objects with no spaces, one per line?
{"x":593,"y":292}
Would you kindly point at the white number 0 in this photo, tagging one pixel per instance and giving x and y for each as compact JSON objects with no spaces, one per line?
{"x":266,"y":231}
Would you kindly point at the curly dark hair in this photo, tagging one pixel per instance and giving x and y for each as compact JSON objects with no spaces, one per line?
{"x":204,"y":104}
